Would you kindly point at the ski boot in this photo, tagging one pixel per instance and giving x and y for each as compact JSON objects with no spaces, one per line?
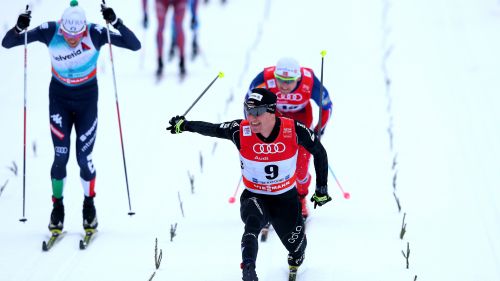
{"x":195,"y":48}
{"x":159,"y":71}
{"x":294,"y":261}
{"x":56,"y":223}
{"x":249,"y":273}
{"x":182,"y":67}
{"x":89,"y":214}
{"x":145,"y":21}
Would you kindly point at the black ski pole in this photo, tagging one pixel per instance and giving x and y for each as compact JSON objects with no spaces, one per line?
{"x":24,"y":219}
{"x":130,"y":213}
{"x":346,"y":195}
{"x":220,"y":75}
{"x":320,"y":116}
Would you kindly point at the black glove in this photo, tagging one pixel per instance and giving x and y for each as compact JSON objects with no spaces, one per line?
{"x":109,"y":16}
{"x":320,"y":196}
{"x":177,"y":124}
{"x":23,"y":21}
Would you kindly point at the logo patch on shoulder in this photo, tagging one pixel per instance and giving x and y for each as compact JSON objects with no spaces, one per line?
{"x":247,"y":131}
{"x":271,"y":83}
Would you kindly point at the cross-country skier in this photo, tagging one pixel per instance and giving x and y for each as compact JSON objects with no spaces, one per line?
{"x":193,"y":8}
{"x":74,"y":47}
{"x":179,"y":7}
{"x":295,"y":87}
{"x":268,"y":146}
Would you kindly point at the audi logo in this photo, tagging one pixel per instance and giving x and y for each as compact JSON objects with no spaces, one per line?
{"x":290,"y":97}
{"x":269,"y":148}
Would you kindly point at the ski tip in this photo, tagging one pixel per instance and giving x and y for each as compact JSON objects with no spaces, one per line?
{"x":44,"y":246}
{"x":323,"y":53}
{"x":131,"y":213}
{"x":23,"y":219}
{"x":221,"y":74}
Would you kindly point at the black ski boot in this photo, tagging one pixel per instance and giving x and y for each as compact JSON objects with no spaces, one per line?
{"x":89,"y":214}
{"x":249,"y":273}
{"x":182,"y":67}
{"x":195,"y":48}
{"x":57,"y":216}
{"x":296,"y":260}
{"x":145,"y":21}
{"x":159,"y":71}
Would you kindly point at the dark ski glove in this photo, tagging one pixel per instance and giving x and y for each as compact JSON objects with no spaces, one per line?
{"x":110,"y":17}
{"x":177,"y":124}
{"x":23,"y":21}
{"x":320,"y":196}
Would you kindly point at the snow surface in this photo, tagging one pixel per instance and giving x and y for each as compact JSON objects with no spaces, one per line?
{"x":430,"y":138}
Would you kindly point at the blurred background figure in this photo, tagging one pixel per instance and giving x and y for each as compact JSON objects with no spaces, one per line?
{"x":193,"y":8}
{"x":179,"y":7}
{"x":145,"y":20}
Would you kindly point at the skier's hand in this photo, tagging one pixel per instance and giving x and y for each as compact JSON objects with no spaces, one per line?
{"x":23,"y":21}
{"x":320,"y":196}
{"x":177,"y":124}
{"x":109,"y":16}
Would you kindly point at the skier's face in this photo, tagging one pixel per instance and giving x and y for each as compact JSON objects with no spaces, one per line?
{"x":73,"y":42}
{"x":262,"y":124}
{"x":286,"y":87}
{"x":72,"y":39}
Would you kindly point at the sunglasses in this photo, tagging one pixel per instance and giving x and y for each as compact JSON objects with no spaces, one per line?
{"x":286,"y":80}
{"x":255,"y":110}
{"x":72,"y":36}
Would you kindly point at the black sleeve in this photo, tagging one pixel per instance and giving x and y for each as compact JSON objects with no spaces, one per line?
{"x":125,"y":39}
{"x":42,"y":33}
{"x":307,"y":139}
{"x":227,"y":130}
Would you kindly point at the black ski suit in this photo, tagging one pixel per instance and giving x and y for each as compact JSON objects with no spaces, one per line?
{"x":283,"y":211}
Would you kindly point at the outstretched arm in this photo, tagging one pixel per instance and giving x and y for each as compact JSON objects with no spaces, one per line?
{"x":226,"y":130}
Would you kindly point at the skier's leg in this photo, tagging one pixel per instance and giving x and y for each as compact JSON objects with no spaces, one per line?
{"x":287,"y":221}
{"x":303,"y":178}
{"x":161,"y":11}
{"x":61,"y":123}
{"x":254,"y":216}
{"x":179,"y":12}
{"x":86,"y":132}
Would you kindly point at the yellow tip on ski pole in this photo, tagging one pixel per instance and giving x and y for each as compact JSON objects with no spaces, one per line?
{"x":221,"y":74}
{"x":323,"y":53}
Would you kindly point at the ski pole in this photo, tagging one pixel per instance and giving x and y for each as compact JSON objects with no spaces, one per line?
{"x":130,"y":213}
{"x":346,"y":195}
{"x":232,"y":199}
{"x":24,"y":219}
{"x":323,"y":54}
{"x":220,"y":75}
